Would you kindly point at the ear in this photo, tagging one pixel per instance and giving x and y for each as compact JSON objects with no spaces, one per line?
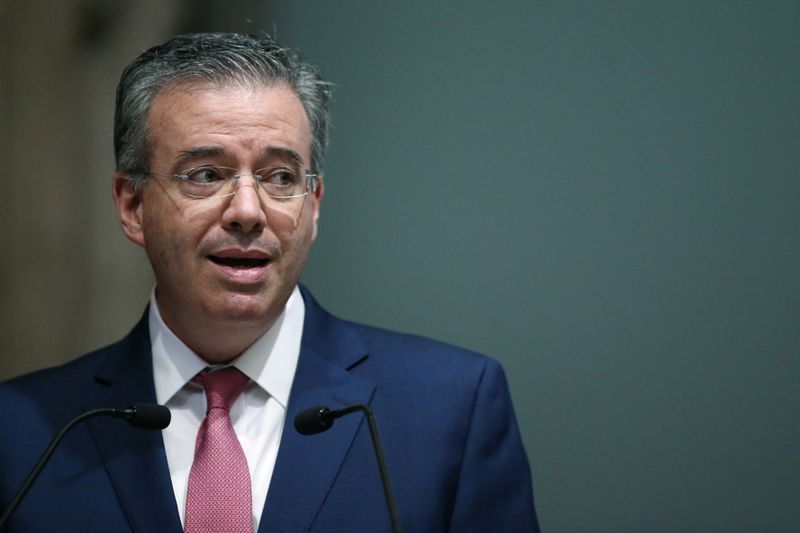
{"x":316,"y":201}
{"x":129,"y":207}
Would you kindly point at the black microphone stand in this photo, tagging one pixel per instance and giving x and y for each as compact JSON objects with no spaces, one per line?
{"x":129,"y":414}
{"x":376,"y":444}
{"x":318,"y":419}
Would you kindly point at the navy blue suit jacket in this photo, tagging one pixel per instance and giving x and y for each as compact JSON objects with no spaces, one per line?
{"x":452,"y":445}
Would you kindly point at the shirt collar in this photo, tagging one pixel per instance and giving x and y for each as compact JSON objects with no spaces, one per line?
{"x":270,"y":361}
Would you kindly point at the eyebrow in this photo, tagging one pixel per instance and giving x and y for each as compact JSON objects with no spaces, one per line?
{"x":287,"y":153}
{"x":201,"y":152}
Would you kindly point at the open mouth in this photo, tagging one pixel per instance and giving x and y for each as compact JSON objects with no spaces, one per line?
{"x":239,"y":262}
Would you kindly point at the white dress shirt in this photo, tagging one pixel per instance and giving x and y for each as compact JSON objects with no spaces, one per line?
{"x":258,"y":415}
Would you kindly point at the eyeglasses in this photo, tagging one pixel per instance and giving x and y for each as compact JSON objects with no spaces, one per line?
{"x":210,"y":181}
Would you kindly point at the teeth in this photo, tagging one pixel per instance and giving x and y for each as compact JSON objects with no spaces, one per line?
{"x":239,"y":262}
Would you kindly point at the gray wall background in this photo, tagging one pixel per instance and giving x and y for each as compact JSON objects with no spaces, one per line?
{"x":601,"y":195}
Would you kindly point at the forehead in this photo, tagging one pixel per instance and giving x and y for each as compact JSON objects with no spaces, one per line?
{"x":240,"y":120}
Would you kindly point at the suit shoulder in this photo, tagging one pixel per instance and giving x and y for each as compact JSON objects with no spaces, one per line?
{"x":137,"y":340}
{"x":421,"y":361}
{"x":62,"y":379}
{"x":414,"y":346}
{"x":50,"y":385}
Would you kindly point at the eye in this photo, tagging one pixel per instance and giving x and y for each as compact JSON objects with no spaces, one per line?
{"x":205,"y":175}
{"x":279,"y":178}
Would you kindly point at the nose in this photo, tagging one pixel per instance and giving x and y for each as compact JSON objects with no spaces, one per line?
{"x":245,"y":211}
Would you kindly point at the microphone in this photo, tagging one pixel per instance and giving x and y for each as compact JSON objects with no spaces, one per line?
{"x":318,"y":419}
{"x":145,"y":415}
{"x":315,"y":420}
{"x":139,"y":415}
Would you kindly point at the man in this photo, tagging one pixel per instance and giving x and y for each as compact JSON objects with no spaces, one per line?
{"x":219,"y":142}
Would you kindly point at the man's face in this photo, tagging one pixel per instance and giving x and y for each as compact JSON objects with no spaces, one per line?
{"x":230,"y":261}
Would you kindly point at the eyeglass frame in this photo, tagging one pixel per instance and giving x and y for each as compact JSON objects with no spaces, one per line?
{"x":311,"y":181}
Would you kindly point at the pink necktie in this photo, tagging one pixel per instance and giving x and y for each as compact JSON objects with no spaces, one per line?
{"x":219,"y":497}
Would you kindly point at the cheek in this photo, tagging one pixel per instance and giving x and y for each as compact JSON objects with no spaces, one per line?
{"x":298,"y":247}
{"x":282,"y":223}
{"x":170,"y":235}
{"x":161,"y":249}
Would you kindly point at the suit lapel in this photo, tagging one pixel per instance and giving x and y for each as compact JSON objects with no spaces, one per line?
{"x":134,"y":458}
{"x":306,"y":466}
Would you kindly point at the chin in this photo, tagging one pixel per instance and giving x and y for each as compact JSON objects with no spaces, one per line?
{"x":241,"y":308}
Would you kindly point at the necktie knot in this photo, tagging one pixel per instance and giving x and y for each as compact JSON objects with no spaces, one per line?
{"x":222,"y":386}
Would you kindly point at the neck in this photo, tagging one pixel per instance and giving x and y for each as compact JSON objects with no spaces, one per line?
{"x":219,"y":344}
{"x":213,"y":340}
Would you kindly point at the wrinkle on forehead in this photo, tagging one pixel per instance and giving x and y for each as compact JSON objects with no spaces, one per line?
{"x":189,"y":116}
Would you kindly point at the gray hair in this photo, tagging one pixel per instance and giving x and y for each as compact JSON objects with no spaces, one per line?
{"x":218,"y":58}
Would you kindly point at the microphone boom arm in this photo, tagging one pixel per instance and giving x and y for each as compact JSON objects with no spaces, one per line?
{"x":376,"y":444}
{"x":319,"y":419}
{"x":128,"y":414}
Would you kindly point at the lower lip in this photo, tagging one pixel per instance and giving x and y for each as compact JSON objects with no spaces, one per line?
{"x":242,"y":275}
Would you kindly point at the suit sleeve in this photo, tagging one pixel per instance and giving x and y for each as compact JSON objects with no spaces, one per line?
{"x":494,"y":488}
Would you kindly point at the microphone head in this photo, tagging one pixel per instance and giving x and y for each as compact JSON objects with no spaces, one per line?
{"x":314,"y":420}
{"x":149,"y":416}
